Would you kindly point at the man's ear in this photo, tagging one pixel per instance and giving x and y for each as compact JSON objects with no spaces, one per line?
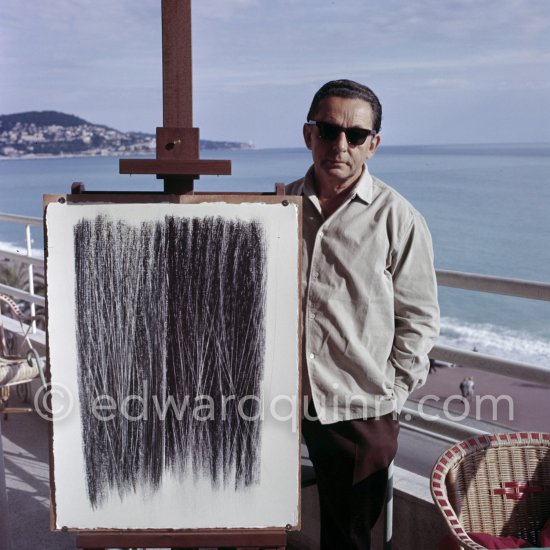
{"x":307,"y":135}
{"x":373,"y":145}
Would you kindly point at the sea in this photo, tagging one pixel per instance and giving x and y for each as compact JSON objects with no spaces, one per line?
{"x":487,"y":206}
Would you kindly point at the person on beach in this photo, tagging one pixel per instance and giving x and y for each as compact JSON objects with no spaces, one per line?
{"x":370,"y":311}
{"x":467,"y":387}
{"x":464,"y":388}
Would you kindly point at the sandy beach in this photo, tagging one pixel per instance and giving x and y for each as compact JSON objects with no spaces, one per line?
{"x":511,"y":403}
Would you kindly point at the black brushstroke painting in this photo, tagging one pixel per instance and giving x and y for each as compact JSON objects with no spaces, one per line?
{"x":171,"y":343}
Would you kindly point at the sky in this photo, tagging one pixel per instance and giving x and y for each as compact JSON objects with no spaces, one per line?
{"x":446,"y":71}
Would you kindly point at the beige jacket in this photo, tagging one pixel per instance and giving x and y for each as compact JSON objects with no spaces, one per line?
{"x":370,"y":311}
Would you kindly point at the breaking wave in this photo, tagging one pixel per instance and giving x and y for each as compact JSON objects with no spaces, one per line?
{"x":495,"y":340}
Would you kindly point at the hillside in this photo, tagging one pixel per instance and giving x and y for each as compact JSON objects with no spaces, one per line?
{"x":51,"y":133}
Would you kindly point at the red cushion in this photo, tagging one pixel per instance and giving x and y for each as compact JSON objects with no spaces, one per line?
{"x":488,"y":541}
{"x":492,"y":542}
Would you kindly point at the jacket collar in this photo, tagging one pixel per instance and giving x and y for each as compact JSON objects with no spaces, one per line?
{"x":363,"y":189}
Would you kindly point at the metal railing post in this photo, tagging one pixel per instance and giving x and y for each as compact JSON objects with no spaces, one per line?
{"x":388,"y":510}
{"x":28,"y":240}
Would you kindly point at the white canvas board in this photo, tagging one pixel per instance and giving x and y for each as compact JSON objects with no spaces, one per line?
{"x":107,"y":479}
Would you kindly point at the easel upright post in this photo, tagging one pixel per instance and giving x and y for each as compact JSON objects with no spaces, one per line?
{"x":177,"y":160}
{"x":177,"y":72}
{"x":177,"y":138}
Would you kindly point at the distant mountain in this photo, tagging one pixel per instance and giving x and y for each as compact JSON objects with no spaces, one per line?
{"x":51,"y":133}
{"x":40,"y":118}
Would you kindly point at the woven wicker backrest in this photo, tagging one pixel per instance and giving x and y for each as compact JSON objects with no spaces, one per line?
{"x":16,"y":313}
{"x":497,"y":484}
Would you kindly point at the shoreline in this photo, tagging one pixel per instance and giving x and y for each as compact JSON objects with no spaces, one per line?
{"x":390,"y":148}
{"x":111,"y":154}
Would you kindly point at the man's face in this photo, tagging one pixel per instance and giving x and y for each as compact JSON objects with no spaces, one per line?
{"x":338,"y":163}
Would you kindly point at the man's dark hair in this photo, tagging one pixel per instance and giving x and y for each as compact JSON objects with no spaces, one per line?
{"x":349,"y":90}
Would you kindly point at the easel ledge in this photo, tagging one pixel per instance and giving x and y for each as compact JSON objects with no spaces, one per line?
{"x":146,"y":197}
{"x":79,"y":193}
{"x":275,"y":539}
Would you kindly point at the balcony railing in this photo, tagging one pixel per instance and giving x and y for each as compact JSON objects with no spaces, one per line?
{"x":19,"y":294}
{"x":428,"y":424}
{"x":433,"y":426}
{"x":453,"y":431}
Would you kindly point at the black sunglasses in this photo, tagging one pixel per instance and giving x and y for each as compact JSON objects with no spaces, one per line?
{"x":331,"y":132}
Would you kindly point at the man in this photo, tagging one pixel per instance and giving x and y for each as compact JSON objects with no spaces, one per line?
{"x":369,"y":308}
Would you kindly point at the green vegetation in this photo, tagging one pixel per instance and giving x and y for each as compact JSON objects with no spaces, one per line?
{"x":40,"y":118}
{"x":16,"y":275}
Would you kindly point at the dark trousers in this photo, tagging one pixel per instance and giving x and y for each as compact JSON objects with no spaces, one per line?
{"x":351,"y":460}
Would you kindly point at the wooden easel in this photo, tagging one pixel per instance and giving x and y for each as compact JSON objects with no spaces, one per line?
{"x":177,"y":153}
{"x":177,"y":162}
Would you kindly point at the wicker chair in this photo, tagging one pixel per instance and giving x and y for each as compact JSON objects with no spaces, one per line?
{"x":494,"y":484}
{"x":19,"y":361}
